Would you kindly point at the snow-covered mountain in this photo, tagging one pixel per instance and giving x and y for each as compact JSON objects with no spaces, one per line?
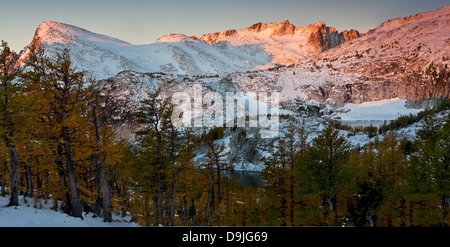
{"x":285,"y":42}
{"x":104,"y":56}
{"x":257,"y":47}
{"x":406,"y":58}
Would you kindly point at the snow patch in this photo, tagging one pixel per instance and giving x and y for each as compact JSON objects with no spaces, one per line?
{"x":26,"y":215}
{"x":388,"y":109}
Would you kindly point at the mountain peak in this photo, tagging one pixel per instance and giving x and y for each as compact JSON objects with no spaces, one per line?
{"x":283,"y":28}
{"x":174,"y":38}
{"x":49,"y":32}
{"x":319,"y":24}
{"x":276,"y":28}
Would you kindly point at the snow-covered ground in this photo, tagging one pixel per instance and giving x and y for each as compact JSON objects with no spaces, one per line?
{"x":381,"y":110}
{"x":26,"y":215}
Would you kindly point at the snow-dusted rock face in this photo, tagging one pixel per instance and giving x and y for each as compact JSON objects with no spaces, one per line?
{"x":285,"y":42}
{"x":102,"y":56}
{"x":406,"y":58}
{"x":119,"y":98}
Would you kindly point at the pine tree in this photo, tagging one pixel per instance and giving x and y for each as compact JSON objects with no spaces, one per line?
{"x":368,"y":198}
{"x":279,"y":172}
{"x":380,"y":182}
{"x":187,"y":181}
{"x":434,"y":155}
{"x":428,"y":176}
{"x":324,"y":169}
{"x":275,"y":173}
{"x":157,"y":141}
{"x":215,"y":165}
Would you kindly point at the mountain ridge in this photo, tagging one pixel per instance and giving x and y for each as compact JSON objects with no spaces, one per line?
{"x":400,"y":54}
{"x":284,"y":41}
{"x":103,"y":56}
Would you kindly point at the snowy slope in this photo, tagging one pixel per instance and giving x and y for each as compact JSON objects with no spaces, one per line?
{"x":411,"y":42}
{"x":26,"y":215}
{"x":103,"y":56}
{"x":376,"y":110}
{"x":403,"y":58}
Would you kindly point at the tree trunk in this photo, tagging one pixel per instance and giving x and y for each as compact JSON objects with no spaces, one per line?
{"x":371,"y":218}
{"x":122,"y":202}
{"x":14,"y":161}
{"x":210,"y":194}
{"x":219,"y":194}
{"x":14,"y":158}
{"x":6,"y":80}
{"x":74,"y":194}
{"x":172,"y":204}
{"x":5,"y":170}
{"x":62,"y":179}
{"x":98,"y":199}
{"x":185,"y":211}
{"x":107,"y":216}
{"x":292,"y":201}
{"x":331,"y":200}
{"x":159,"y":210}
{"x":29,"y":181}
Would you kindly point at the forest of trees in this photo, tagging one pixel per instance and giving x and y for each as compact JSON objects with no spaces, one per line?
{"x":54,"y":149}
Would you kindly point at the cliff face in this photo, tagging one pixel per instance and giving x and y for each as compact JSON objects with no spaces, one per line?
{"x":119,"y":98}
{"x":351,"y":34}
{"x":410,"y":87}
{"x":285,"y":42}
{"x":325,"y":38}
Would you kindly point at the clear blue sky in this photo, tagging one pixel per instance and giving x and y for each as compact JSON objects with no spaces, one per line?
{"x":143,"y":21}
